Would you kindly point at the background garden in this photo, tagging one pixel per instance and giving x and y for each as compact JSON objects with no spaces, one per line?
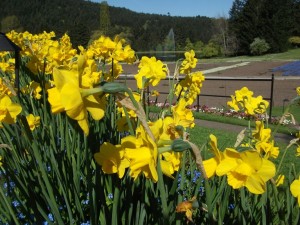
{"x":79,"y":147}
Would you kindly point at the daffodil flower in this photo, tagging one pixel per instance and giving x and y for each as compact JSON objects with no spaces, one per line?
{"x":210,"y":165}
{"x":8,"y":110}
{"x":295,"y":189}
{"x":244,"y":100}
{"x":151,"y":71}
{"x":111,"y":158}
{"x":142,"y":153}
{"x":69,"y":96}
{"x":246,"y":169}
{"x":188,"y":63}
{"x":33,"y":121}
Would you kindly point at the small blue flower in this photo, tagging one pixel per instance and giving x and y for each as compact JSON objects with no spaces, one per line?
{"x":21,"y":216}
{"x":231,"y":206}
{"x":85,"y":202}
{"x":50,"y":216}
{"x":15,"y":203}
{"x":110,"y":196}
{"x":86,"y":223}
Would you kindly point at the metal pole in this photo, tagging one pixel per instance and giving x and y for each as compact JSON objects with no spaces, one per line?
{"x":17,"y":69}
{"x":271,"y":98}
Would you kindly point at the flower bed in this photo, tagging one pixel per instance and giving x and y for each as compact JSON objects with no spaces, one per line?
{"x":79,"y":148}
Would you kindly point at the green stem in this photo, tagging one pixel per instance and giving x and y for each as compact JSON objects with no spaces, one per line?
{"x":162,"y":192}
{"x":164,"y":149}
{"x":114,"y":219}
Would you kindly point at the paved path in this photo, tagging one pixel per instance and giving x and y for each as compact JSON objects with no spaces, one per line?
{"x":236,"y":129}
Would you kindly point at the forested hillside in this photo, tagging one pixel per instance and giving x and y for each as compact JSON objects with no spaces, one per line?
{"x":81,"y":19}
{"x":253,"y":26}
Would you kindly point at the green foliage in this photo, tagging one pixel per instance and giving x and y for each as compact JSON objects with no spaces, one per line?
{"x":104,"y":17}
{"x":254,"y":18}
{"x":259,"y":46}
{"x":210,"y":50}
{"x":11,"y":23}
{"x":295,"y":41}
{"x":144,"y":31}
{"x":188,"y":45}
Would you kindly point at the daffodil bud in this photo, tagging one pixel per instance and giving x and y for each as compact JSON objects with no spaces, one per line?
{"x":179,"y":145}
{"x":113,"y":87}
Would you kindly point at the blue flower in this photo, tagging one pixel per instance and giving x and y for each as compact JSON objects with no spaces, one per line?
{"x":110,"y":196}
{"x":15,"y":203}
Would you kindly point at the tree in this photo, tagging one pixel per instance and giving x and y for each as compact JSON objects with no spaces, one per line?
{"x":104,"y":17}
{"x":259,"y":46}
{"x":270,"y":20}
{"x":188,"y":45}
{"x":221,"y":25}
{"x":11,"y":23}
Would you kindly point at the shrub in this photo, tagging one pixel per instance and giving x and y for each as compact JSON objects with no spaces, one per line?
{"x":295,"y":41}
{"x":210,"y":50}
{"x":259,"y":46}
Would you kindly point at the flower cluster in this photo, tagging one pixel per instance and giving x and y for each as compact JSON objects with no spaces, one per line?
{"x":151,"y":71}
{"x":189,"y":87}
{"x":243,"y":169}
{"x":8,"y":109}
{"x":244,"y":100}
{"x":153,"y":139}
{"x":43,"y":51}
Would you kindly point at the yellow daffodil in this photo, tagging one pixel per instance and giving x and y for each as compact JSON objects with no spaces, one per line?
{"x":8,"y":110}
{"x":298,"y":151}
{"x":295,"y":189}
{"x":182,"y":115}
{"x":210,"y":165}
{"x":142,"y":153}
{"x":5,"y":89}
{"x":188,"y":63}
{"x":173,"y":158}
{"x":267,"y":149}
{"x":67,"y":95}
{"x":244,"y":100}
{"x":0,"y":160}
{"x":111,"y":158}
{"x":155,"y":93}
{"x":151,"y":71}
{"x":35,"y":90}
{"x":246,"y":169}
{"x":44,"y":53}
{"x":298,"y":90}
{"x":261,"y":133}
{"x":190,"y":87}
{"x":262,"y":141}
{"x":33,"y":121}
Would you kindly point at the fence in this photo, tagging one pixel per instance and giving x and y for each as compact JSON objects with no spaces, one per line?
{"x":265,"y":79}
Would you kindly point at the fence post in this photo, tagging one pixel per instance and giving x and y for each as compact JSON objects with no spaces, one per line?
{"x":198,"y":103}
{"x":271,"y":98}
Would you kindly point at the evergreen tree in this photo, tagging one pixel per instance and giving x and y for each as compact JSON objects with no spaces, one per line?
{"x":265,"y":19}
{"x":104,"y":18}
